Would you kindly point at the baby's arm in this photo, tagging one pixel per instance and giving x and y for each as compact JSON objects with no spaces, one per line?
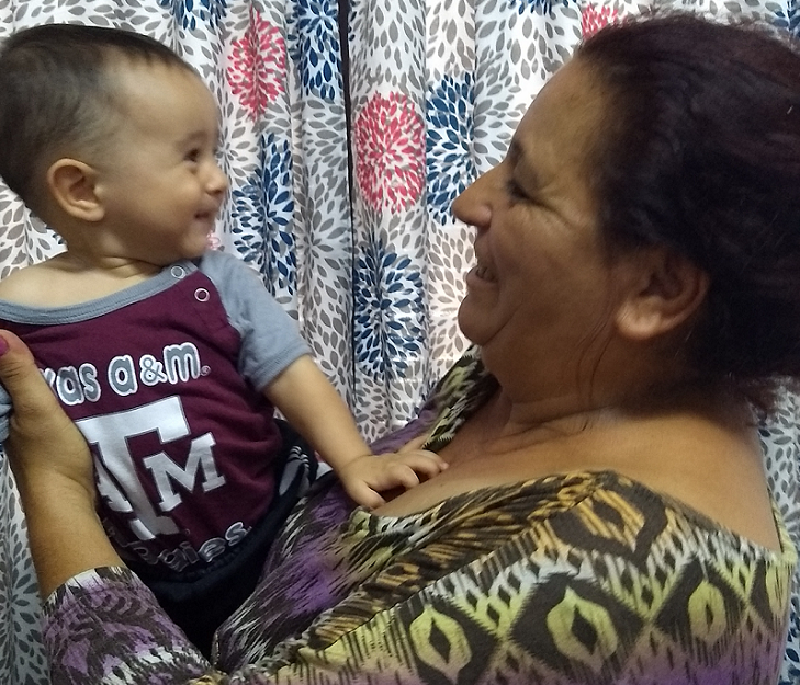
{"x":314,"y":408}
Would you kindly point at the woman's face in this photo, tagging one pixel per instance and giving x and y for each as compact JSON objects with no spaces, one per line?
{"x":541,"y":294}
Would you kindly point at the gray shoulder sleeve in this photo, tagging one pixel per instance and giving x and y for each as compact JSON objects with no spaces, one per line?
{"x":271,"y":340}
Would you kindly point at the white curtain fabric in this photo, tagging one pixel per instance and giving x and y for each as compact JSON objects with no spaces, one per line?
{"x":341,"y":181}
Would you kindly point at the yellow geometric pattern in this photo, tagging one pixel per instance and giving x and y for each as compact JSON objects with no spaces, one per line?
{"x":586,"y":578}
{"x":614,"y":585}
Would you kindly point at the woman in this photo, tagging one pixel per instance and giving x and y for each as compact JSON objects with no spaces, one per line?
{"x":604,"y":517}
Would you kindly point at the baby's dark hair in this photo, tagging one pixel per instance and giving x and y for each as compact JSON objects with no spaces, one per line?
{"x":702,"y":154}
{"x":57,"y":96}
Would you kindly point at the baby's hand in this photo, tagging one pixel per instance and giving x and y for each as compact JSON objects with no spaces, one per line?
{"x":364,"y":477}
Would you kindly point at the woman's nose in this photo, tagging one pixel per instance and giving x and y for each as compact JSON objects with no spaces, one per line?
{"x":474,"y":206}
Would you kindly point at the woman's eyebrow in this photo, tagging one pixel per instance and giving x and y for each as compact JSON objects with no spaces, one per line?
{"x":519,"y":161}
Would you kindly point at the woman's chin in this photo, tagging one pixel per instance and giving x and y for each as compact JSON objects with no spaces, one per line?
{"x":472,"y":321}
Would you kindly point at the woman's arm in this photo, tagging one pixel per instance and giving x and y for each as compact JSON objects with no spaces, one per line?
{"x":53,"y":471}
{"x":100,"y":619}
{"x":102,"y":624}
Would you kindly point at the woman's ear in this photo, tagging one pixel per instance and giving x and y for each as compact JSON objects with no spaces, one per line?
{"x":71,"y":184}
{"x":666,"y":291}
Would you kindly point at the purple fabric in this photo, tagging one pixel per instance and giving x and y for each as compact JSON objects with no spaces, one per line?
{"x":109,"y":622}
{"x":246,"y":637}
{"x":394,"y":441}
{"x":585,"y":578}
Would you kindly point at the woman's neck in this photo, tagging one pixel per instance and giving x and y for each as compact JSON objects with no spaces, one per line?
{"x":512,"y":423}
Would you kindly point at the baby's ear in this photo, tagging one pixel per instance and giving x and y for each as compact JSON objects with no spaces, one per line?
{"x":669,"y":289}
{"x":72,"y":185}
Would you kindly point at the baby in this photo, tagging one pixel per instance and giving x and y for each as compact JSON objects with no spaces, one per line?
{"x":170,"y":358}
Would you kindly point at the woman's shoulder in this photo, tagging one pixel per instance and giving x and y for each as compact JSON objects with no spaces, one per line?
{"x":593,"y":517}
{"x":609,"y":548}
{"x":561,"y":571}
{"x":597,"y":511}
{"x":616,"y":513}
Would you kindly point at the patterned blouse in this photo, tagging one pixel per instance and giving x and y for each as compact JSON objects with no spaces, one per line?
{"x":585,"y":577}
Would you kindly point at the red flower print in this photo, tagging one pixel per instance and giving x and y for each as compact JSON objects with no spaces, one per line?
{"x":257,"y":67}
{"x":390,"y":157}
{"x":594,"y":17}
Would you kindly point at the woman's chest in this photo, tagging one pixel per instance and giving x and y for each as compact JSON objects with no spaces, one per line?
{"x":477,"y":460}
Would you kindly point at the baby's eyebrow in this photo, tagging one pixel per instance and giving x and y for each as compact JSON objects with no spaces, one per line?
{"x":199,"y":135}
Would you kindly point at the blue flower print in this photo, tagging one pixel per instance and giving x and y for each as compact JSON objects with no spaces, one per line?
{"x":187,"y":12}
{"x":539,"y":6}
{"x":389,"y":311}
{"x":450,"y":167}
{"x":248,"y":218}
{"x":789,"y":19}
{"x":263,"y":210}
{"x":314,"y":47}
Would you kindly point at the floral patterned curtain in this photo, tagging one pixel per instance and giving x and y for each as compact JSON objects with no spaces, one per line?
{"x":341,"y":180}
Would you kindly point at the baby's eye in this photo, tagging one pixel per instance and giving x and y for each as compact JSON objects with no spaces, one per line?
{"x":193,"y":155}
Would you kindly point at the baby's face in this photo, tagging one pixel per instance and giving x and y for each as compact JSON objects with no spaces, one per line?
{"x":159,"y":182}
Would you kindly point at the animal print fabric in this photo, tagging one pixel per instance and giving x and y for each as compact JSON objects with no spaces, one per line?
{"x":582,"y":578}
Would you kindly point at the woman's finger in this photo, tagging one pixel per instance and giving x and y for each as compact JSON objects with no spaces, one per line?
{"x":42,"y":441}
{"x":29,"y":392}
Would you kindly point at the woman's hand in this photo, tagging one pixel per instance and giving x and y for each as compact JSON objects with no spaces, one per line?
{"x":44,"y":447}
{"x":52,"y":466}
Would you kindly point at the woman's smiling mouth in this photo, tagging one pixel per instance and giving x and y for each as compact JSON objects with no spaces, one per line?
{"x":483,"y":272}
